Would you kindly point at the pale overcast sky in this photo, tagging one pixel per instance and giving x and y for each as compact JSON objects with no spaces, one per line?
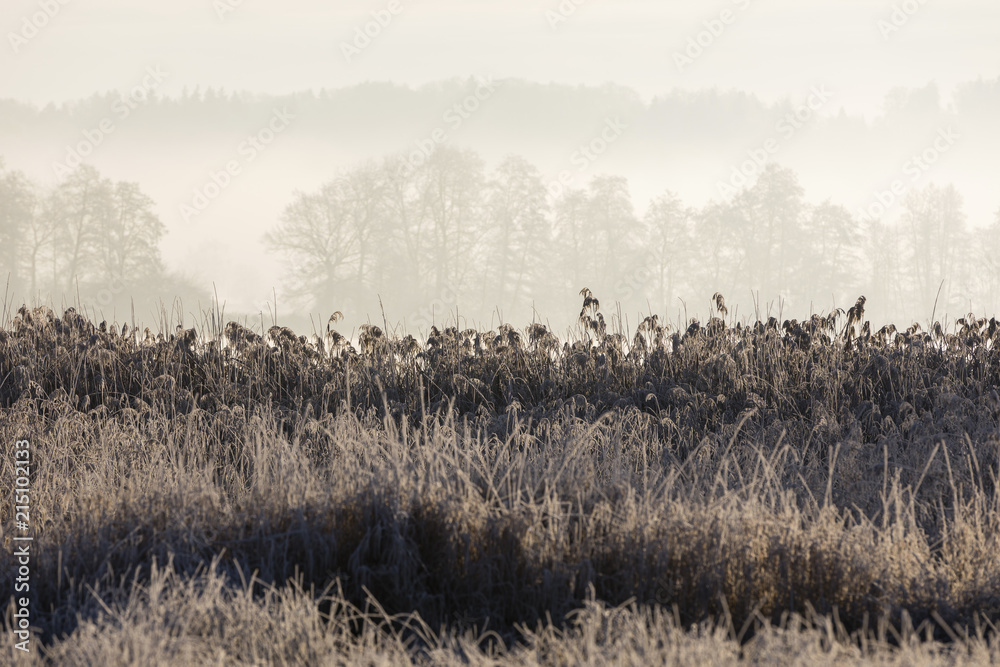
{"x":773,"y":48}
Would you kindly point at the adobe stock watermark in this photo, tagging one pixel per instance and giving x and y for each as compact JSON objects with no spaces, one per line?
{"x":435,"y":311}
{"x":915,"y":167}
{"x":900,"y":16}
{"x":785,"y":129}
{"x":453,"y":118}
{"x":587,"y":154}
{"x":714,"y":28}
{"x":121,"y":109}
{"x":22,"y":544}
{"x":32,"y":25}
{"x":562,"y":13}
{"x":114,"y":286}
{"x":248,"y":150}
{"x":371,"y":30}
{"x":224,"y":7}
{"x":635,"y":281}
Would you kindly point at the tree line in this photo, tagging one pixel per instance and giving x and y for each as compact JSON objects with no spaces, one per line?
{"x":413,"y":231}
{"x":86,"y":236}
{"x":443,"y":230}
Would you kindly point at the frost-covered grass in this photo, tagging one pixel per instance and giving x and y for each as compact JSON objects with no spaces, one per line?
{"x":765,"y":492}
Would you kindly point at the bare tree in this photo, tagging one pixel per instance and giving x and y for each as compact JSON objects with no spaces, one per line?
{"x":616,"y":229}
{"x":936,"y":240}
{"x":573,"y":240}
{"x":315,"y":238}
{"x":669,"y":251}
{"x":882,"y":276}
{"x":830,"y":258}
{"x":79,"y":207}
{"x":363,"y":191}
{"x":405,"y":230}
{"x":38,"y":242}
{"x":987,"y":259}
{"x":516,"y":233}
{"x":17,"y":210}
{"x":717,"y":237}
{"x":771,"y":216}
{"x":130,"y":236}
{"x":328,"y":239}
{"x":450,"y":187}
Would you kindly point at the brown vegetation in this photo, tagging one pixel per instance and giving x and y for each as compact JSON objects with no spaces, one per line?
{"x":758,"y":490}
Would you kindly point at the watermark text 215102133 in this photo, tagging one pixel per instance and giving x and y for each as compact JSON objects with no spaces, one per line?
{"x":22,"y":544}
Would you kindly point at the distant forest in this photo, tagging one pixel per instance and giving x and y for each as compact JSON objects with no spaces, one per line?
{"x":450,"y":227}
{"x":478,"y":226}
{"x":419,"y":236}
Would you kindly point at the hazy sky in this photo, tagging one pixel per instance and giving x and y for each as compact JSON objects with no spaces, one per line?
{"x":858,"y":50}
{"x":773,"y":48}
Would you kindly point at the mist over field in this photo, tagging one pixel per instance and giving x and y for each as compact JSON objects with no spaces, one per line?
{"x":467,"y":332}
{"x":885,"y":173}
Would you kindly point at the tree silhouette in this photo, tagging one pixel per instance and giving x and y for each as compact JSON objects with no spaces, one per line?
{"x":882,"y":267}
{"x":718,"y":239}
{"x":936,"y":240}
{"x":770,"y":213}
{"x":614,"y":226}
{"x":830,"y":259}
{"x":450,"y":187}
{"x":405,"y":228}
{"x":669,"y":249}
{"x":17,"y":209}
{"x":317,"y":237}
{"x":987,"y":259}
{"x":78,"y":209}
{"x":87,"y":233}
{"x":516,"y":209}
{"x":130,"y":236}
